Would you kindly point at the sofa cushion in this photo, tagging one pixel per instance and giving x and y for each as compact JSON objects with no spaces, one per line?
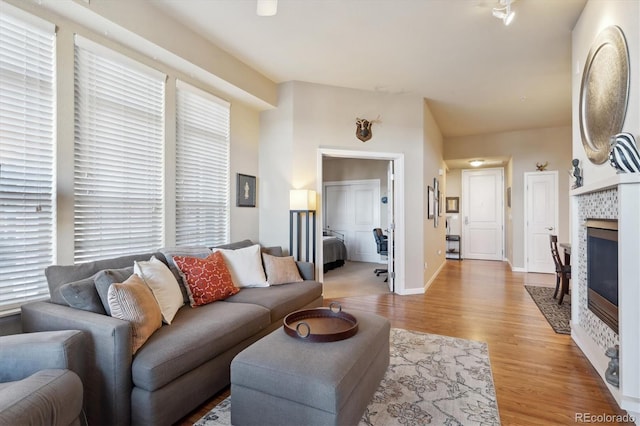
{"x":104,"y":279}
{"x":273,"y":251}
{"x":47,"y":397}
{"x":235,"y":245}
{"x":133,"y":301}
{"x":208,"y":279}
{"x":83,"y":295}
{"x":57,"y":275}
{"x":245,"y":265}
{"x":195,"y":336}
{"x":163,"y":284}
{"x":280,"y":270}
{"x":281,"y":300}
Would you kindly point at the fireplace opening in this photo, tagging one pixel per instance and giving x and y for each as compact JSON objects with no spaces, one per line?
{"x":602,"y":270}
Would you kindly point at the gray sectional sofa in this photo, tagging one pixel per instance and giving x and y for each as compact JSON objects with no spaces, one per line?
{"x":182,"y":364}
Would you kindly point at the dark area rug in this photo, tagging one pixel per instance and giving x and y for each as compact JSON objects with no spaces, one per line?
{"x":431,"y":379}
{"x":558,"y":316}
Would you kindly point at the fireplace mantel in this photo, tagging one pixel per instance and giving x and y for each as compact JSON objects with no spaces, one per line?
{"x":609,"y":183}
{"x":616,"y":197}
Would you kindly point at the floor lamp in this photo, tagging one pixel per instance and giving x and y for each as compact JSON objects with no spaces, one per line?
{"x":302,"y":205}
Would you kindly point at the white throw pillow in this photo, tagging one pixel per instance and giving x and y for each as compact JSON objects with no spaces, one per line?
{"x":245,"y":266}
{"x":163,"y":284}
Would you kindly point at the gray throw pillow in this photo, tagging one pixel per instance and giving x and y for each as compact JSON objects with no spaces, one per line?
{"x":104,"y":279}
{"x":83,"y":295}
{"x":187,"y":251}
{"x":273,"y":251}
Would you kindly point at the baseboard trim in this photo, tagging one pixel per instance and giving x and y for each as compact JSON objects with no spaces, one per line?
{"x":433,"y":277}
{"x":595,"y":355}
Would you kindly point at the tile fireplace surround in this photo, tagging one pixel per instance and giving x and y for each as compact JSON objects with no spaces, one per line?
{"x":617,"y":197}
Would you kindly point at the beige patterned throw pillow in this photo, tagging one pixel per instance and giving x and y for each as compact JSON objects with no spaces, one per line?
{"x":281,"y":270}
{"x":133,"y":301}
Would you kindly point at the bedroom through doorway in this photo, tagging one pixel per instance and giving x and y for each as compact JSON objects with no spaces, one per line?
{"x":357,"y":195}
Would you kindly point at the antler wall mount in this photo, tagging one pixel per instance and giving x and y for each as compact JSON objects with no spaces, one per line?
{"x":363,"y":128}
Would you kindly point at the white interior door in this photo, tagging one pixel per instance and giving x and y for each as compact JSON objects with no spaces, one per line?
{"x":352,"y":209}
{"x":541,"y":207}
{"x":483,"y":214}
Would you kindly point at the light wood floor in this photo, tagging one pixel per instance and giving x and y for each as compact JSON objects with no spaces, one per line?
{"x":540,"y":377}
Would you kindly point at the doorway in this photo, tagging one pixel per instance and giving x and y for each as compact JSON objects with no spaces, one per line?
{"x":483,"y":214}
{"x":394,"y":208}
{"x":541,"y":219}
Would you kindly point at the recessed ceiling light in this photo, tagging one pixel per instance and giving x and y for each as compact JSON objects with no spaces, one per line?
{"x":266,"y":7}
{"x":476,"y":163}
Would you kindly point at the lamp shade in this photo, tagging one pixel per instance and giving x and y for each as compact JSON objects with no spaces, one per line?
{"x":302,"y":199}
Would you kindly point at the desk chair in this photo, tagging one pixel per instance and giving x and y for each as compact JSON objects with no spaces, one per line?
{"x":382,"y":249}
{"x":563,"y":272}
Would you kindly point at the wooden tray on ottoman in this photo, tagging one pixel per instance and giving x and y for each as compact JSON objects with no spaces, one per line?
{"x":321,"y":324}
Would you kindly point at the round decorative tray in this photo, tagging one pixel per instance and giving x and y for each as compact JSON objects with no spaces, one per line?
{"x":321,"y":324}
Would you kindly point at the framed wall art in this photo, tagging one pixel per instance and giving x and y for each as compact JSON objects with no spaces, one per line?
{"x":431,"y":203}
{"x":453,"y":204}
{"x":245,"y":190}
{"x":436,"y":207}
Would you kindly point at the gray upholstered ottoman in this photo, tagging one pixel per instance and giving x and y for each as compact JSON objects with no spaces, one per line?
{"x":281,"y":380}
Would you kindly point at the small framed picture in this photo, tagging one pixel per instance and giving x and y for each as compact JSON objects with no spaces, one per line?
{"x":509,"y":197}
{"x":245,"y":190}
{"x":431,"y":203}
{"x":436,"y":200}
{"x":453,"y":204}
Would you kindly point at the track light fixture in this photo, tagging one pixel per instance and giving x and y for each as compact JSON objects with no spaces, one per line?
{"x":505,"y":13}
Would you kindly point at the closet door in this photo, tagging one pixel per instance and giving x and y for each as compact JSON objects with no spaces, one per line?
{"x":352,"y":209}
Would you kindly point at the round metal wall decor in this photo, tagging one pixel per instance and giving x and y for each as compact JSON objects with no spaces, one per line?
{"x":604,"y":93}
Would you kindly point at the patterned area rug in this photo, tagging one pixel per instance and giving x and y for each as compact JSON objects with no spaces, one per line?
{"x":431,"y":379}
{"x":558,"y":316}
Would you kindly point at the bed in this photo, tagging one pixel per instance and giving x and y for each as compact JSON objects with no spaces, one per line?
{"x":334,"y":250}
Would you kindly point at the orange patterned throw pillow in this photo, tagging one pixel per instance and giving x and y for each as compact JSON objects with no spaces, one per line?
{"x":208,"y":279}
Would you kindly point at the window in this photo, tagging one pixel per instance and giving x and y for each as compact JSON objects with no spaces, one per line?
{"x":26,"y":157}
{"x":118,"y":154}
{"x":202,"y":168}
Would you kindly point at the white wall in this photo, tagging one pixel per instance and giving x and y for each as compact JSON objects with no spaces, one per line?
{"x":434,"y":240}
{"x":245,"y":134}
{"x":596,"y":16}
{"x":312,"y":116}
{"x":454,"y":189}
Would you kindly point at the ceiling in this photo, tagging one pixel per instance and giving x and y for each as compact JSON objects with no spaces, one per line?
{"x":478,"y":75}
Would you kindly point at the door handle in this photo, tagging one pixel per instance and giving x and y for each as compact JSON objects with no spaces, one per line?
{"x":550,"y":229}
{"x":466,"y":220}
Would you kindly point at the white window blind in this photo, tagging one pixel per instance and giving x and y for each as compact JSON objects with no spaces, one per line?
{"x":26,"y":157}
{"x":118,"y":154}
{"x":202,"y":168}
